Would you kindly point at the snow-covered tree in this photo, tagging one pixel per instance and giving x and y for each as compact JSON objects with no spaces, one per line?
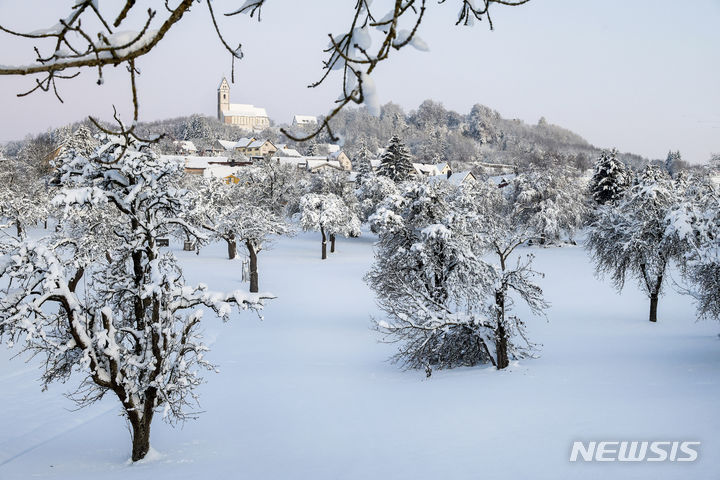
{"x":696,"y":221}
{"x":98,"y":298}
{"x":79,"y":142}
{"x":23,"y":195}
{"x":446,"y":305}
{"x":610,"y":179}
{"x":330,"y":215}
{"x":361,"y":163}
{"x":550,"y":201}
{"x":631,"y":238}
{"x":673,"y":162}
{"x":494,"y":216}
{"x":371,"y":193}
{"x":238,"y":212}
{"x":395,"y":163}
{"x":276,"y":186}
{"x":312,"y":149}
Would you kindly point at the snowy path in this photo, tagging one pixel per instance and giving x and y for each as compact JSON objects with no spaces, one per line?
{"x":307,"y":392}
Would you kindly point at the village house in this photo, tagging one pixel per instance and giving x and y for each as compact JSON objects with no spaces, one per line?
{"x":425,"y":170}
{"x":458,"y":178}
{"x":443,"y":168}
{"x":184,"y":147}
{"x":256,"y":149}
{"x":341,"y":158}
{"x":315,"y":164}
{"x":304,"y":120}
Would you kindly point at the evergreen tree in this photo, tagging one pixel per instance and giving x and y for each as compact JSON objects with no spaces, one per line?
{"x":610,"y":179}
{"x":361,"y":163}
{"x":312,"y":149}
{"x":672,"y":162}
{"x":395,"y":163}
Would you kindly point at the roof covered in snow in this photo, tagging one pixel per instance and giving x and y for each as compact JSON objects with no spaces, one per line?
{"x":455,"y":179}
{"x":219,"y":171}
{"x":304,"y":119}
{"x":186,"y":145}
{"x":194,"y":162}
{"x":244,"y":110}
{"x":426,"y":169}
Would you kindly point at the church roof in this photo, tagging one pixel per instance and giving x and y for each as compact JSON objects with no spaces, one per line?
{"x":244,"y":110}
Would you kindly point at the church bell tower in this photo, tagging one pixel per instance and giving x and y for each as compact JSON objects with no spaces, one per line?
{"x":223,"y":98}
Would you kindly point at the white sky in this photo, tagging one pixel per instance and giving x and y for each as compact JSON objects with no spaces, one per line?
{"x":641,"y":75}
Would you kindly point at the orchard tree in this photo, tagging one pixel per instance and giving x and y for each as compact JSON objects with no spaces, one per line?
{"x":696,"y":221}
{"x":550,"y":201}
{"x":445,"y":303}
{"x":495,"y":216}
{"x":23,"y":195}
{"x":632,"y":238}
{"x":371,"y":193}
{"x":610,"y":179}
{"x":395,"y":163}
{"x":328,"y":214}
{"x":98,"y":298}
{"x":276,"y":186}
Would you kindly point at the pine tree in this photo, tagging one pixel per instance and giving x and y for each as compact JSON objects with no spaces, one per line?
{"x":361,"y":163}
{"x":312,"y":149}
{"x":395,"y":162}
{"x":672,"y":162}
{"x":610,"y":179}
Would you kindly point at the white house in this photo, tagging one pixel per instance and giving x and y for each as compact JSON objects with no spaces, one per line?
{"x":185,"y":146}
{"x":302,"y":120}
{"x":425,"y":170}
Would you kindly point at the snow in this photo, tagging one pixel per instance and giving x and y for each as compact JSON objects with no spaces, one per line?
{"x":244,"y":110}
{"x":372,"y":102}
{"x":308,"y":393}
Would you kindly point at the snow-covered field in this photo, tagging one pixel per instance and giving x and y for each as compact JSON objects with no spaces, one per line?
{"x":308,"y":393}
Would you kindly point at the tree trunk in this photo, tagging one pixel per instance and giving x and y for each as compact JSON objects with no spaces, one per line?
{"x":324,"y":243}
{"x":501,"y":340}
{"x":332,"y":243}
{"x":654,"y":299}
{"x":232,"y":246}
{"x":18,"y":227}
{"x":254,"y":286}
{"x":140,"y":439}
{"x":653,"y":307}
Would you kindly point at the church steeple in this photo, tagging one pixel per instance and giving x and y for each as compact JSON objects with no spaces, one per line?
{"x":223,"y":98}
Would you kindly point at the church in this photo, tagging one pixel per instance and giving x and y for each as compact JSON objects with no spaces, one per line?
{"x":240,"y":115}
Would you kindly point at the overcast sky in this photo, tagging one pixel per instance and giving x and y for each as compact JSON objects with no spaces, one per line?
{"x":641,"y":75}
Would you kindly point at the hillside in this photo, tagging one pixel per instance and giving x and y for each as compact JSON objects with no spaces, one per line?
{"x":432,"y":133}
